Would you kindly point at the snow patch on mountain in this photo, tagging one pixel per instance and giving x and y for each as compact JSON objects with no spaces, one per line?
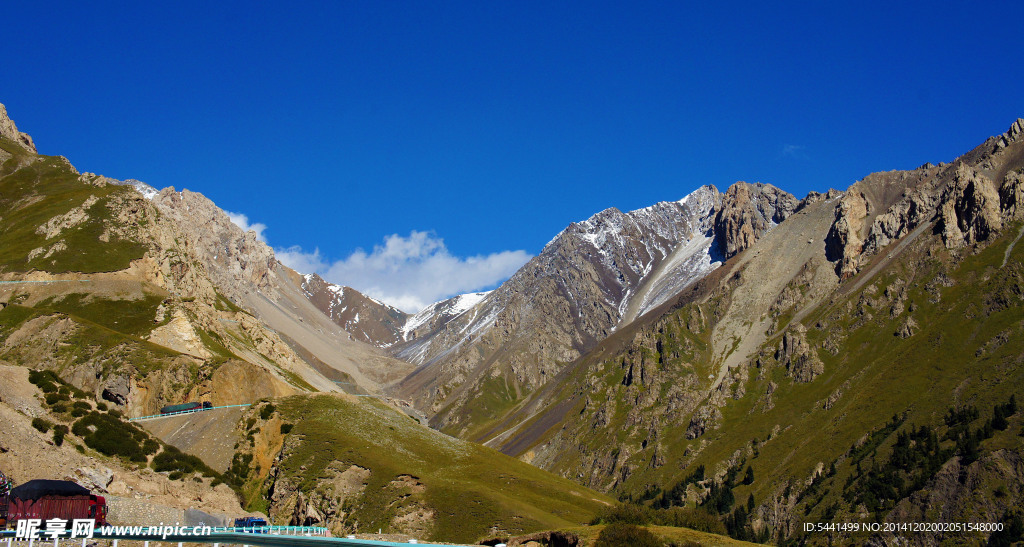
{"x":146,"y":190}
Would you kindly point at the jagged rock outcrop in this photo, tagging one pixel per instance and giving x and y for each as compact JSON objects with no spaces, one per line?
{"x":117,"y":389}
{"x":747,"y":212}
{"x":970,"y":208}
{"x":908,"y":328}
{"x":236,"y":260}
{"x":968,"y":200}
{"x":10,"y":131}
{"x":705,"y":418}
{"x":844,"y":241}
{"x":1011,"y":195}
{"x":800,"y":359}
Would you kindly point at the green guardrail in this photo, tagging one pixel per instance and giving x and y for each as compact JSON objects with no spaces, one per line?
{"x":193,"y":411}
{"x":256,"y":539}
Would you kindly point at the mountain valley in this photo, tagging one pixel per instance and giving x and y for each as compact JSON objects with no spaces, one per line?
{"x":755,"y":359}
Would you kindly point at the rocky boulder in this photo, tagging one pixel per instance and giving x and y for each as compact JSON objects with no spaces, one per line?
{"x":117,"y":389}
{"x":96,"y":478}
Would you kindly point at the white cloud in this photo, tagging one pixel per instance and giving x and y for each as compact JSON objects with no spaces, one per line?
{"x":242,"y":222}
{"x":408,"y":272}
{"x":301,"y":261}
{"x":796,"y":151}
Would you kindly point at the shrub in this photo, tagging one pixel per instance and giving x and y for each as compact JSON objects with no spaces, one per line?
{"x":626,"y":535}
{"x":108,"y":435}
{"x":695,"y":519}
{"x":150,"y":446}
{"x":42,"y":425}
{"x":59,"y":408}
{"x":54,"y":398}
{"x":286,"y":428}
{"x":101,"y":406}
{"x":239,"y":470}
{"x":177,"y":462}
{"x":78,"y":412}
{"x":45,"y":380}
{"x":625,"y":514}
{"x":267,"y":411}
{"x":58,"y":434}
{"x":79,"y":394}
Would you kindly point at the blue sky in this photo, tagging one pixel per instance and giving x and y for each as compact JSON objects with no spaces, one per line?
{"x":449,"y":141}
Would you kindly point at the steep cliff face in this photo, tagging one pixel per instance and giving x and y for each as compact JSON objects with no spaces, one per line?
{"x":10,"y":131}
{"x":236,"y":260}
{"x":557,"y":306}
{"x":966,"y":201}
{"x":886,"y":394}
{"x":747,"y":212}
{"x":244,"y":270}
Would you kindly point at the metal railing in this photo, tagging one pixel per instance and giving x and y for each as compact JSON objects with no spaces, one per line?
{"x":275,"y":530}
{"x":221,"y":536}
{"x":191,"y":411}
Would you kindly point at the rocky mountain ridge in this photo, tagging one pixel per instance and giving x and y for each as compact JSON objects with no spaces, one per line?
{"x":858,"y":354}
{"x":971,"y":193}
{"x":812,"y":356}
{"x":10,"y":131}
{"x":214,"y":293}
{"x":594,"y":277}
{"x":121,"y":300}
{"x":364,"y":318}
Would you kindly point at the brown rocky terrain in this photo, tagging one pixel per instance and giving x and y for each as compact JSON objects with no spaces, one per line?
{"x":364,"y":318}
{"x":593,"y":278}
{"x":10,"y":131}
{"x":747,"y":212}
{"x":245,"y":268}
{"x":213,"y":295}
{"x":814,"y":332}
{"x":135,"y":495}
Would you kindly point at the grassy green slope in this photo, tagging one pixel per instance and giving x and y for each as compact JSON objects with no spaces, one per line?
{"x":966,"y":351}
{"x":470,"y":489}
{"x":35,"y":189}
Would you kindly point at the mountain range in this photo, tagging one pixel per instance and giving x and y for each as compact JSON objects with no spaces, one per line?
{"x":852,"y":355}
